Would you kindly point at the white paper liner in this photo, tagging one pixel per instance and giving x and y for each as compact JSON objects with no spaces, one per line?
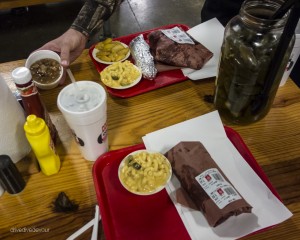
{"x":208,"y":129}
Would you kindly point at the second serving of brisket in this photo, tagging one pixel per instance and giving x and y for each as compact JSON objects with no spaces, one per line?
{"x":188,"y":160}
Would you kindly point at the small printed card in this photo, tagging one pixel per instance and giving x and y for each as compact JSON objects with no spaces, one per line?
{"x":178,"y":35}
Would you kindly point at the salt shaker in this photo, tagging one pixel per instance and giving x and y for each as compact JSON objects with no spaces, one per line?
{"x":10,"y":177}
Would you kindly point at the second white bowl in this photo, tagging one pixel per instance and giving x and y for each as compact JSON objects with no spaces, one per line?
{"x":43,"y":54}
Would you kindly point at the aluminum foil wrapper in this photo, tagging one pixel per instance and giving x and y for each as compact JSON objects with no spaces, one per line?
{"x":140,"y":52}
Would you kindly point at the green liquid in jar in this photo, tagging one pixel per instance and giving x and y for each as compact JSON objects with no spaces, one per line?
{"x":247,"y":52}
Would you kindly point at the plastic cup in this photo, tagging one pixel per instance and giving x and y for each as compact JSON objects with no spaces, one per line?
{"x":83,"y":105}
{"x":293,"y":58}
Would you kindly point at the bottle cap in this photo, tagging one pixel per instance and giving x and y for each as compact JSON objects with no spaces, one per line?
{"x":21,"y":75}
{"x":34,"y":125}
{"x":10,"y":177}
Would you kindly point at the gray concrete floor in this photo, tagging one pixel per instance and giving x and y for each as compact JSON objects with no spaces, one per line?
{"x":21,"y":32}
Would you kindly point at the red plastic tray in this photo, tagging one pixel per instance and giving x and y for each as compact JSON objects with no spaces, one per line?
{"x":162,"y":78}
{"x":128,"y":216}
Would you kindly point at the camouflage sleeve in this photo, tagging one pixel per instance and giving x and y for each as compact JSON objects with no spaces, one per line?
{"x":93,"y":14}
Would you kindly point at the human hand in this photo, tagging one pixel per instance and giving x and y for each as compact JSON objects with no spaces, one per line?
{"x":69,"y":45}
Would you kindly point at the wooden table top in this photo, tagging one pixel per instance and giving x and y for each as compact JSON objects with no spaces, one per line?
{"x":274,"y":142}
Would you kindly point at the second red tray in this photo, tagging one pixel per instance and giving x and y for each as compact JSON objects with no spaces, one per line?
{"x":162,"y":79}
{"x":129,"y":216}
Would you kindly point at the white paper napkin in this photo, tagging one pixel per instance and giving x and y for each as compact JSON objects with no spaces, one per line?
{"x":13,"y":141}
{"x":1,"y":190}
{"x":210,"y":34}
{"x":208,"y":129}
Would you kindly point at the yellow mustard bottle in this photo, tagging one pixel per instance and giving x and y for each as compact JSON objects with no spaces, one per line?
{"x":39,"y":138}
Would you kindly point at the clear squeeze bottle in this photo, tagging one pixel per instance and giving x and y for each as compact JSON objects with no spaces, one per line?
{"x":31,"y":98}
{"x":38,"y":136}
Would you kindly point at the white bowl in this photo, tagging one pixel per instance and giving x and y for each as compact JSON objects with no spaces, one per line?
{"x":95,"y":51}
{"x":158,"y":188}
{"x":42,"y":54}
{"x":135,"y":82}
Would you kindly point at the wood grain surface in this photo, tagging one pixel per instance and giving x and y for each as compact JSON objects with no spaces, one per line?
{"x":274,"y":142}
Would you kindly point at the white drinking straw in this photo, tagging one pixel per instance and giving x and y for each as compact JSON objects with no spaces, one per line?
{"x":81,"y":230}
{"x":71,"y":76}
{"x":94,"y":221}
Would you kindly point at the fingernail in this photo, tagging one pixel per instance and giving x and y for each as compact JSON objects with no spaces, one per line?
{"x":64,"y":63}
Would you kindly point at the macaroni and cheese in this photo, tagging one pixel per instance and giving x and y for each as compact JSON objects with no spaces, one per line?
{"x":144,"y":172}
{"x":120,"y":74}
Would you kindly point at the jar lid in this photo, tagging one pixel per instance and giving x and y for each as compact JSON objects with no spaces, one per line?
{"x":21,"y":75}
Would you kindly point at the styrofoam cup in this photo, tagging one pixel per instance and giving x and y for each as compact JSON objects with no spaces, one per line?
{"x":292,"y":60}
{"x":83,"y":105}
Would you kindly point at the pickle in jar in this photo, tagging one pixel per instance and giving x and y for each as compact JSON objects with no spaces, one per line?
{"x":242,"y":95}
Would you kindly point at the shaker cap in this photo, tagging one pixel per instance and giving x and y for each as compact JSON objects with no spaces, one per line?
{"x":10,"y":177}
{"x":21,"y":75}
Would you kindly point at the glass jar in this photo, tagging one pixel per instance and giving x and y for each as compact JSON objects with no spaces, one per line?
{"x":249,"y":44}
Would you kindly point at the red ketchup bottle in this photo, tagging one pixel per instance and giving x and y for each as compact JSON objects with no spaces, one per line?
{"x":31,"y":99}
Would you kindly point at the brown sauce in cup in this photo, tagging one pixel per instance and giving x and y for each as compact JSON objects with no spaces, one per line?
{"x":45,"y":70}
